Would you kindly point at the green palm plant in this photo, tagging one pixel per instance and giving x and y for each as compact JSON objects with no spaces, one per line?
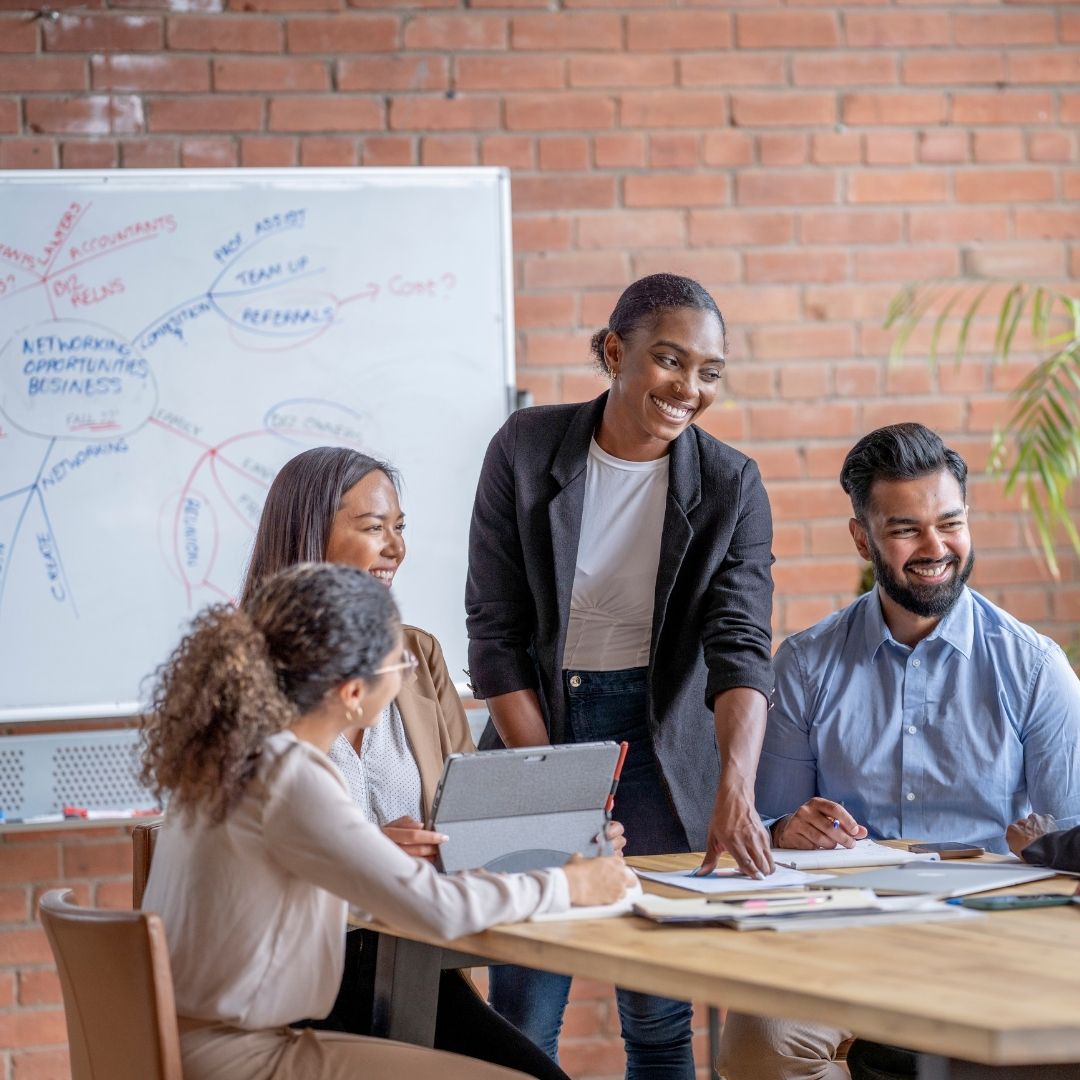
{"x":1038,"y":449}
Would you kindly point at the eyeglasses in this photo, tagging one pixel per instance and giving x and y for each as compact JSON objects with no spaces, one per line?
{"x":408,"y":664}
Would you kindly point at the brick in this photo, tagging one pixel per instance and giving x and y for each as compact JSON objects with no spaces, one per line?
{"x":150,"y":154}
{"x":800,"y":614}
{"x":14,"y":904}
{"x":782,"y":148}
{"x":896,"y":29}
{"x":915,"y":264}
{"x":563,"y":193}
{"x":1016,"y":261}
{"x":225,"y":33}
{"x":329,"y":150}
{"x":103,"y":33}
{"x":913,"y":107}
{"x":555,"y":350}
{"x":18,"y":34}
{"x":725,"y":421}
{"x":534,"y":112}
{"x":957,"y":224}
{"x":908,"y":379}
{"x":7,"y":989}
{"x":830,"y":148}
{"x":1058,"y":66}
{"x":761,"y":188}
{"x":787,"y":29}
{"x":749,"y":382}
{"x":10,"y":120}
{"x":442,"y":114}
{"x":783,"y":422}
{"x":620,"y":71}
{"x":672,"y":109}
{"x":513,"y":151}
{"x":569,"y":153}
{"x":712,"y":267}
{"x":578,"y":269}
{"x":857,"y":380}
{"x":389,"y":150}
{"x":1025,"y":604}
{"x":41,"y":1065}
{"x":36,"y":1027}
{"x":98,"y":115}
{"x":1070,"y":108}
{"x":674,"y":150}
{"x":580,"y":386}
{"x":541,"y":233}
{"x":720,"y":227}
{"x":626,"y":230}
{"x":1010,"y":28}
{"x":1052,"y":223}
{"x":382,"y":73}
{"x":727,"y":148}
{"x":957,"y":379}
{"x":350,"y":33}
{"x":851,"y":227}
{"x":42,"y":73}
{"x":26,"y":945}
{"x":203,"y":114}
{"x":267,"y":151}
{"x":543,"y":386}
{"x":943,"y":147}
{"x":782,"y":463}
{"x":760,"y":109}
{"x":457,"y":32}
{"x":1002,"y":107}
{"x":804,"y":382}
{"x":844,"y":69}
{"x":756,"y":305}
{"x":448,"y":150}
{"x":1051,"y":146}
{"x":907,"y":186}
{"x":512,"y":72}
{"x":566,"y":32}
{"x":1005,"y":185}
{"x":847,"y":302}
{"x":41,"y":986}
{"x":87,"y":154}
{"x":732,"y":69}
{"x":178,"y":74}
{"x":953,"y":68}
{"x":998,"y":145}
{"x":325,"y":114}
{"x":678,"y":31}
{"x":618,"y":150}
{"x":889,"y":147}
{"x":937,"y":415}
{"x":97,"y":859}
{"x":543,"y":310}
{"x":802,"y":342}
{"x":675,"y":189}
{"x":797,"y":267}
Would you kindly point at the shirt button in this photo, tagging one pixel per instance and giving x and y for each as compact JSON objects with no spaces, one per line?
{"x":916,"y":663}
{"x":575,"y":680}
{"x":911,"y":796}
{"x":911,"y":730}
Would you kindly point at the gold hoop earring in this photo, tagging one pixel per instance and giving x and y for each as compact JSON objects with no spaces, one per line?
{"x":355,"y":715}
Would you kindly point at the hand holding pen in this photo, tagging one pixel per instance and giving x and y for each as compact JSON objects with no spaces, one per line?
{"x":818,"y":823}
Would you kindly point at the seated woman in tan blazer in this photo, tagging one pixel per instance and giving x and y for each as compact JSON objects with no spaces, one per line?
{"x":338,"y":505}
{"x":263,"y":850}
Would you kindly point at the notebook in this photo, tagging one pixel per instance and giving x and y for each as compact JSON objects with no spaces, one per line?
{"x":864,"y":853}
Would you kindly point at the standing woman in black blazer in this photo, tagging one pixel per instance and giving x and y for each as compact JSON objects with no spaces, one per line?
{"x":620,"y":587}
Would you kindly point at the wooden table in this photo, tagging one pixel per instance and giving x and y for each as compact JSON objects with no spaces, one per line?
{"x":1002,"y":990}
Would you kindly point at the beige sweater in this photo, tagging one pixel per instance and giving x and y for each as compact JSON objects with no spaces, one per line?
{"x":254,"y":908}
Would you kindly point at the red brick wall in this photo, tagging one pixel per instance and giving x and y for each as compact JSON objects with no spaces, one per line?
{"x":803,"y":160}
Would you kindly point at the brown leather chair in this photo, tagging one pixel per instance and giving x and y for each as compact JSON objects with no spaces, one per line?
{"x":118,"y":993}
{"x":143,"y":838}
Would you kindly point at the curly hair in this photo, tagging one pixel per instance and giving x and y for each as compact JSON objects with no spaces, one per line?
{"x":241,"y":675}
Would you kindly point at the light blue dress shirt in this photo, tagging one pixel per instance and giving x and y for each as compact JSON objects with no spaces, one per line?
{"x":973,"y":728}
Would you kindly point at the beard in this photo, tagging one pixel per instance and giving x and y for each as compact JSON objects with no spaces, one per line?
{"x":927,"y":601}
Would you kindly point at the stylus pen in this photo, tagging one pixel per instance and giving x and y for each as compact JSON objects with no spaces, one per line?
{"x":609,"y":806}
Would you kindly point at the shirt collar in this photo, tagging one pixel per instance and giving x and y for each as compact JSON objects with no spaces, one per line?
{"x":956,"y":629}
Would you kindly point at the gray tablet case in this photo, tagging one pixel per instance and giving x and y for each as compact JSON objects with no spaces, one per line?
{"x":522,"y":809}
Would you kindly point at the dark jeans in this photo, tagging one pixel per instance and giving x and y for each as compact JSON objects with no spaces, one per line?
{"x":875,"y":1061}
{"x":656,"y":1031}
{"x":464,"y":1023}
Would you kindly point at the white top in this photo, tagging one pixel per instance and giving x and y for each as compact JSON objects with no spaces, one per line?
{"x":254,"y":908}
{"x":611,"y":607}
{"x":383,"y":779}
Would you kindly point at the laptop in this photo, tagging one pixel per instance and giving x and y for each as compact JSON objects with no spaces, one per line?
{"x":521,"y":809}
{"x":943,"y":879}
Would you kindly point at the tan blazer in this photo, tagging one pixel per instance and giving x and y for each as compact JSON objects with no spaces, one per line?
{"x":431,"y":712}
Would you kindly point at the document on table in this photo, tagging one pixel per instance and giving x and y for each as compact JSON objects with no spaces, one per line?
{"x":864,"y":853}
{"x":624,"y":906}
{"x":729,"y":880}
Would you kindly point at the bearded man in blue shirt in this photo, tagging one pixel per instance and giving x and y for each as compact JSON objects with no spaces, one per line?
{"x":921,"y":710}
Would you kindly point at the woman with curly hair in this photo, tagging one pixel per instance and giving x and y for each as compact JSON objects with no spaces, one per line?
{"x":263,"y":850}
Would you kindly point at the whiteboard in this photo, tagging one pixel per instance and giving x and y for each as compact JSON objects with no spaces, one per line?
{"x":169,"y":338}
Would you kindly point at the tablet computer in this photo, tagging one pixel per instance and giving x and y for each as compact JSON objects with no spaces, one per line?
{"x":523,"y":809}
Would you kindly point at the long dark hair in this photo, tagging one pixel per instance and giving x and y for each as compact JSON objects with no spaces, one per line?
{"x":642,"y":303}
{"x":300,"y":508}
{"x":242,"y":674}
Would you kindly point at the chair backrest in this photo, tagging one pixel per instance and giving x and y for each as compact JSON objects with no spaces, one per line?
{"x":143,"y":838}
{"x":118,"y":992}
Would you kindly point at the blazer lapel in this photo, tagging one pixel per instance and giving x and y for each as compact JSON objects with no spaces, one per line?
{"x":420,"y":721}
{"x":684,"y":493}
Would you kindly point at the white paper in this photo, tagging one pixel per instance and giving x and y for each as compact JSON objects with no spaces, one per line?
{"x":864,"y":853}
{"x":597,"y":911}
{"x":932,"y":911}
{"x":730,"y":881}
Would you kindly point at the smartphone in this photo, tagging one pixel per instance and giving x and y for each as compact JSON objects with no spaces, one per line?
{"x":1015,"y":901}
{"x":947,"y":850}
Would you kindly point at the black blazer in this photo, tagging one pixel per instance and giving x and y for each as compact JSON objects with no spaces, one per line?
{"x":713,"y":605}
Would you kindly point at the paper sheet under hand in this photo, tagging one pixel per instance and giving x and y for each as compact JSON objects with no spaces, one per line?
{"x":730,"y":881}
